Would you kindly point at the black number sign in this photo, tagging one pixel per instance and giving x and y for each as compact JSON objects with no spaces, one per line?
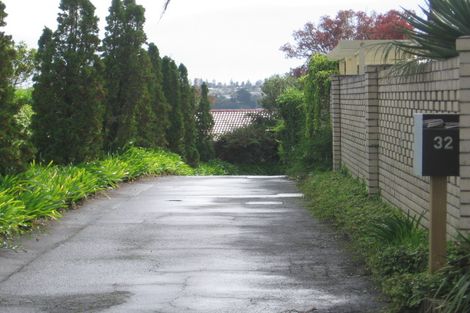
{"x":436,"y":145}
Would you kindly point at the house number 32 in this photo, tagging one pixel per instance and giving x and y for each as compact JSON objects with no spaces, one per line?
{"x":443,"y":143}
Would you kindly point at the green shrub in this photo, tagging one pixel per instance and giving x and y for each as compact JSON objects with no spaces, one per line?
{"x":389,"y":260}
{"x":304,"y":127}
{"x":407,"y":291}
{"x":216,"y":167}
{"x":260,"y":169}
{"x":291,"y":104}
{"x":317,"y":150}
{"x":253,"y":144}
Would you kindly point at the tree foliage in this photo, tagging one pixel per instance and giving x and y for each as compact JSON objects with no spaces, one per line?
{"x":69,"y":90}
{"x":346,"y":25}
{"x":45,"y":95}
{"x":145,"y":117}
{"x":291,"y":105}
{"x":125,"y":73}
{"x":172,"y":90}
{"x":191,"y":155}
{"x":317,"y":93}
{"x":317,"y":140}
{"x":273,"y":87}
{"x":13,"y":151}
{"x":23,"y":64}
{"x":23,"y":98}
{"x":240,"y":98}
{"x":85,"y":103}
{"x":204,"y":122}
{"x":253,"y":144}
{"x":157,"y":97}
{"x":304,"y":127}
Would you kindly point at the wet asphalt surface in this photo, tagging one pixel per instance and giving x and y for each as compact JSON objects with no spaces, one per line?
{"x":187,"y":244}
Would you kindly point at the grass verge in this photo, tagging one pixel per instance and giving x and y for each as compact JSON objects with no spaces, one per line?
{"x":393,"y":245}
{"x":44,"y":191}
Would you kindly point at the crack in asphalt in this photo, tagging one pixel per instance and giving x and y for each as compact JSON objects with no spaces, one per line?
{"x":180,"y":294}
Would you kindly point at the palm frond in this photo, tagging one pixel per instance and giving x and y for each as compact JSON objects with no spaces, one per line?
{"x":165,"y":7}
{"x":404,"y":69}
{"x":407,"y":60}
{"x":433,"y":36}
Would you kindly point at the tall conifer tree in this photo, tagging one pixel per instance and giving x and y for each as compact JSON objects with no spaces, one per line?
{"x":205,"y":123}
{"x":125,"y":73}
{"x":146,"y":123}
{"x":46,"y":97}
{"x":11,"y":156}
{"x":191,"y":154}
{"x":157,"y":97}
{"x":69,"y":93}
{"x":172,"y":90}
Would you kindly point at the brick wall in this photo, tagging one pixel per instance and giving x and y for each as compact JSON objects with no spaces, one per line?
{"x":353,"y":136}
{"x":372,"y":121}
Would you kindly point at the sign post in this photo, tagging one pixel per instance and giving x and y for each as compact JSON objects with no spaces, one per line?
{"x":436,"y":154}
{"x":438,"y":223}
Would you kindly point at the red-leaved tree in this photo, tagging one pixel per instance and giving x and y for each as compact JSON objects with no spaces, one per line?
{"x":346,"y":25}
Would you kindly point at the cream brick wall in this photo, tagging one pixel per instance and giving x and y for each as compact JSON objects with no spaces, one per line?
{"x":353,"y":134}
{"x":336,"y":121}
{"x":463,"y":45}
{"x":433,"y":91}
{"x":373,"y":131}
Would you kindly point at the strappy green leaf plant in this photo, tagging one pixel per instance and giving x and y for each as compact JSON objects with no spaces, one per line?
{"x":454,"y":290}
{"x":433,"y":35}
{"x":396,"y":229}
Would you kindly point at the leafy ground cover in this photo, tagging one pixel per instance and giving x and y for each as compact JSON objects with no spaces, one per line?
{"x":44,"y":191}
{"x":393,"y":245}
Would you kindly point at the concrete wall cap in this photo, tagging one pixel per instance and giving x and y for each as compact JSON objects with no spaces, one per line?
{"x":463,"y":43}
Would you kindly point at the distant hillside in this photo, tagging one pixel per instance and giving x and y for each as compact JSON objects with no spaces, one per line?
{"x":234,"y":95}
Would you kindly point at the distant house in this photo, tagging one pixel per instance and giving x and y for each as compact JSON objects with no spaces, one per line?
{"x":227,"y":120}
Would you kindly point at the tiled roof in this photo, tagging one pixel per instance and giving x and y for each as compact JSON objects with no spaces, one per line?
{"x":226,"y":120}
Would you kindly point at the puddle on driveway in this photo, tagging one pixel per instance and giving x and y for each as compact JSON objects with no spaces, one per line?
{"x":255,"y":196}
{"x":263,"y":202}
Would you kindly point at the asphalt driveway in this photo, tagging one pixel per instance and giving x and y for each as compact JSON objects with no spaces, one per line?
{"x":187,"y":244}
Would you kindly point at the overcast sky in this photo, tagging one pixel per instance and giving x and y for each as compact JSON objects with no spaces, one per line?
{"x":224,"y":40}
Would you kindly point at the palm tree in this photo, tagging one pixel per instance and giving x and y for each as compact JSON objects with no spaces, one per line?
{"x":433,"y":36}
